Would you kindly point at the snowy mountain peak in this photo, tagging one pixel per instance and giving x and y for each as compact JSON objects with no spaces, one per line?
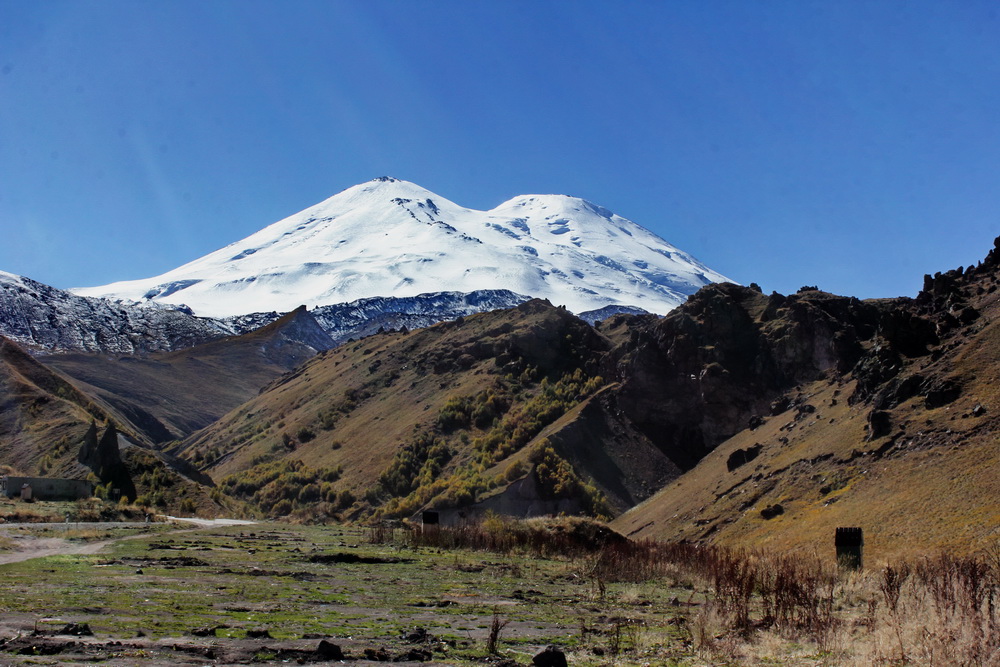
{"x":389,"y":237}
{"x":384,"y":186}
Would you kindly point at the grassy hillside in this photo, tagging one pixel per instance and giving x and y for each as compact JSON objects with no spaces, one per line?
{"x":440,"y":416}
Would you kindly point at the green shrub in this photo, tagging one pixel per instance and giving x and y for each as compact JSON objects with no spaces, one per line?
{"x":557,"y":479}
{"x":268,"y":484}
{"x":524,"y":423}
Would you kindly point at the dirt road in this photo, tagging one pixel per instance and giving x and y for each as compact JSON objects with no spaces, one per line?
{"x":26,"y":546}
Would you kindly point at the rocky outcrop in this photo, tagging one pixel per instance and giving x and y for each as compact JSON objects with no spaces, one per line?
{"x":730,"y":355}
{"x":741,"y":457}
{"x":47,"y":319}
{"x":104,"y":459}
{"x":701,"y":374}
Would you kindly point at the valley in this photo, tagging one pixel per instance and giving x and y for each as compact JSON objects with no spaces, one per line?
{"x":829,"y":404}
{"x":640,"y":470}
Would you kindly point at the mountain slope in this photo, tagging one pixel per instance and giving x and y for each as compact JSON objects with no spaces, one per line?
{"x":47,"y":319}
{"x":393,"y":238}
{"x":170,"y":395}
{"x":40,"y":411}
{"x":441,"y":416}
{"x":741,"y":418}
{"x":897,"y":436}
{"x":45,"y":422}
{"x":364,"y":317}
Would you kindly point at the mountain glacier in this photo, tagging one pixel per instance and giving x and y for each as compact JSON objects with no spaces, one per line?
{"x":392,"y":238}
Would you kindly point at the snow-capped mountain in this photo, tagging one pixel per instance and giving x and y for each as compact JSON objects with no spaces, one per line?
{"x":47,"y":320}
{"x":392,"y":238}
{"x":42,"y":317}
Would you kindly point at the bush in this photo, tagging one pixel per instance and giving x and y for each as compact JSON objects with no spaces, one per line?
{"x":521,"y":425}
{"x":267,"y":484}
{"x":416,"y":464}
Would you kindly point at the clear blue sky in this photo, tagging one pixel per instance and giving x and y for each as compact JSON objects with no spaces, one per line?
{"x":851,"y":145}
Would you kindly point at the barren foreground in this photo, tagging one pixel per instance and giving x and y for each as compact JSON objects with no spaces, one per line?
{"x":273,"y":593}
{"x":163,"y":594}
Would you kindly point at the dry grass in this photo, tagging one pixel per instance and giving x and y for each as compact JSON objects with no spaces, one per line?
{"x":758,"y":607}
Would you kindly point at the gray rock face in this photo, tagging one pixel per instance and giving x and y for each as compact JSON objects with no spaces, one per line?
{"x":44,"y":318}
{"x":592,"y":316}
{"x":366,"y":316}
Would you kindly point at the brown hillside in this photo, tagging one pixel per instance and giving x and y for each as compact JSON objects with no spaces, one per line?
{"x":769,"y":419}
{"x":45,"y":420}
{"x":439,"y":416}
{"x":169,"y":395}
{"x":901,"y":442}
{"x":41,"y":414}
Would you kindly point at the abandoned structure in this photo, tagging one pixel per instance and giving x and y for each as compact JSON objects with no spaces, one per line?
{"x":45,"y":488}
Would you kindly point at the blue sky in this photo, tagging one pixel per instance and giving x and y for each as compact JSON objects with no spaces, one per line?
{"x":850,"y":145}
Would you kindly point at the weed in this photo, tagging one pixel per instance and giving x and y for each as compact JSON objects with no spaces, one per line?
{"x":496,"y":627}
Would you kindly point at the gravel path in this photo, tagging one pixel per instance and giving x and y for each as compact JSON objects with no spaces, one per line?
{"x":27,"y":546}
{"x":41,"y":547}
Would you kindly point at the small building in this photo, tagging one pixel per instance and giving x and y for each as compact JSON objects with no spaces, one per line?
{"x":46,"y":488}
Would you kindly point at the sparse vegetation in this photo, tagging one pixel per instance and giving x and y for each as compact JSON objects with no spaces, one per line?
{"x":935,"y":610}
{"x":504,"y":587}
{"x":524,"y":422}
{"x":278,"y":488}
{"x":557,"y":479}
{"x":506,"y":416}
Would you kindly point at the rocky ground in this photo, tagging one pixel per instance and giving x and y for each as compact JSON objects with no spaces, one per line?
{"x":284,"y":594}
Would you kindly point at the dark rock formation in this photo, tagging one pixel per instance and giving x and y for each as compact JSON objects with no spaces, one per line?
{"x":104,"y":459}
{"x":328,"y":651}
{"x":550,"y":657}
{"x":941,"y":392}
{"x":879,"y":424}
{"x":710,"y":368}
{"x":771,"y":511}
{"x":699,"y":375}
{"x":742,"y":457}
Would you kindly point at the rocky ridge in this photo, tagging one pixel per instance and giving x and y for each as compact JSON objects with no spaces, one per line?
{"x":877,"y":413}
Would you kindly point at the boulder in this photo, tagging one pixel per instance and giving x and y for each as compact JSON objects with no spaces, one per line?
{"x":550,"y":657}
{"x":743,"y":456}
{"x":328,"y":651}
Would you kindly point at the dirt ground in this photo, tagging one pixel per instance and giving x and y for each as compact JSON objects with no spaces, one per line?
{"x":276,"y":594}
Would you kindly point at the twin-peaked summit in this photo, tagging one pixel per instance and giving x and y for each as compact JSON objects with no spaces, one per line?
{"x":389,"y":237}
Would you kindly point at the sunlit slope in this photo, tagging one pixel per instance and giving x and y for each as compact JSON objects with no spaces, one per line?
{"x":446,"y":414}
{"x":170,"y":395}
{"x":903,"y":446}
{"x":393,"y":238}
